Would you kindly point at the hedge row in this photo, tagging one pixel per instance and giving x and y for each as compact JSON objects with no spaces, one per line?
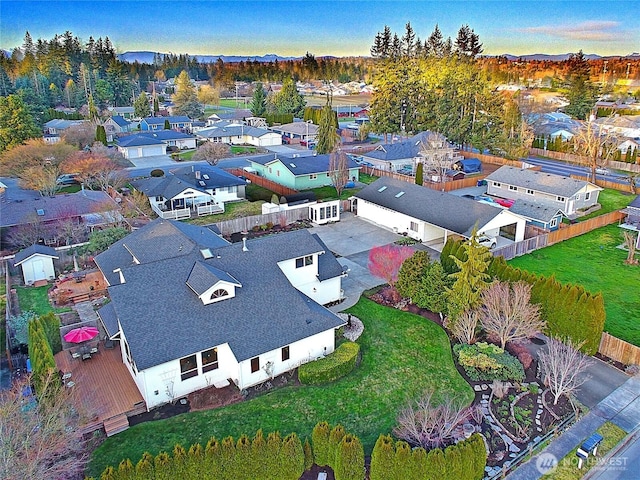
{"x":332,"y":367}
{"x":569,"y":310}
{"x":273,"y":458}
{"x":398,"y":461}
{"x":40,"y":353}
{"x":341,"y":451}
{"x":281,"y":118}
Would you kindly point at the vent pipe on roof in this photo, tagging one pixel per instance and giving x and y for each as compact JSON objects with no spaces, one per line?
{"x":244,"y":244}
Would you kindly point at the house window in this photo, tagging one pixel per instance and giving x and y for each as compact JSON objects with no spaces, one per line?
{"x":413,"y":226}
{"x":313,"y":176}
{"x":188,"y":367}
{"x":513,"y":188}
{"x":553,"y":222}
{"x":321,"y":213}
{"x":560,"y":199}
{"x":334,"y":211}
{"x":219,"y":293}
{"x":497,"y":185}
{"x":209,"y":360}
{"x":578,"y":196}
{"x":255,"y":364}
{"x":587,"y":196}
{"x":159,"y":198}
{"x":306,"y":260}
{"x":270,"y":170}
{"x":529,"y":191}
{"x":285,"y":353}
{"x":278,"y":173}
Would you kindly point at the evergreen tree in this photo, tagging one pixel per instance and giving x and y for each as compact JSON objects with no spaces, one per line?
{"x":141,"y":107}
{"x":335,"y":437}
{"x":327,"y":138}
{"x":402,"y":460}
{"x":258,"y":104}
{"x":320,"y":443}
{"x":582,"y":93}
{"x":291,"y":458}
{"x":471,"y":279}
{"x":420,"y":173}
{"x":167,"y":125}
{"x":308,"y":455}
{"x":434,"y":45}
{"x":16,"y":122}
{"x":101,"y":134}
{"x":382,"y":459}
{"x":411,"y":272}
{"x":287,"y":100}
{"x":349,"y":462}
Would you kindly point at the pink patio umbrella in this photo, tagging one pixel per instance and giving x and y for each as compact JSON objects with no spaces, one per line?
{"x":81,"y":334}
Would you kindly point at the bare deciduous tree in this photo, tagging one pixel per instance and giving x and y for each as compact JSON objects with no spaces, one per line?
{"x":508,"y":313}
{"x":594,"y":145}
{"x":212,"y":152}
{"x":80,"y":135}
{"x":339,"y":169}
{"x":436,"y":156}
{"x":630,"y":242}
{"x":429,"y":425}
{"x":95,"y":170}
{"x":40,"y":439}
{"x":562,"y":367}
{"x":464,"y":329}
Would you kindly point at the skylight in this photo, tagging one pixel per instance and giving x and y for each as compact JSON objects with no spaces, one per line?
{"x":205,"y":176}
{"x":40,"y":212}
{"x":293,"y":165}
{"x":206,"y":253}
{"x":382,"y":189}
{"x":399,"y":194}
{"x":201,"y":183}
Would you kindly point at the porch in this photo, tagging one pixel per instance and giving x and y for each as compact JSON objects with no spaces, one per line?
{"x":179,"y":213}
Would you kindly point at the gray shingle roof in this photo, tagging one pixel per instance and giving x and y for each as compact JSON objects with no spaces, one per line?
{"x":453,"y":213}
{"x":109,"y":319}
{"x":34,"y":249}
{"x":232,"y":130}
{"x":160,"y":120}
{"x":538,"y":181}
{"x":21,"y":207}
{"x":138,"y":140}
{"x":407,"y":149}
{"x":304,"y":165}
{"x":203,"y":276}
{"x":328,"y":267}
{"x":163,"y":319}
{"x":535,"y":210}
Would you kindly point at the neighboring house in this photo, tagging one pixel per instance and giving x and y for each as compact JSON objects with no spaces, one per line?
{"x":237,"y":116}
{"x":629,"y":144}
{"x":239,"y":134}
{"x":568,"y":194}
{"x":116,"y":125}
{"x":191,"y":310}
{"x":179,"y":122}
{"x":431,"y":216}
{"x":405,"y":155}
{"x":172,"y":138}
{"x":140,"y":146}
{"x":49,"y":218}
{"x":299,"y":172}
{"x":541,"y":215}
{"x":632,"y":221}
{"x":54,"y":128}
{"x":549,"y":126}
{"x":124,"y":112}
{"x":36,"y":262}
{"x":189,"y":191}
{"x":623,"y":125}
{"x":297,"y":132}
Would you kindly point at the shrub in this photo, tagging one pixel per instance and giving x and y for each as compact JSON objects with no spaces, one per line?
{"x":483,"y":361}
{"x":521,"y":353}
{"x":332,"y":367}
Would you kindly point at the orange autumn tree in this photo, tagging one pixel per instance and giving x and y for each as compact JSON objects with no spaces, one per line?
{"x":95,"y":169}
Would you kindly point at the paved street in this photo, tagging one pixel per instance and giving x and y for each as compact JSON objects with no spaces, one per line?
{"x":562,"y":168}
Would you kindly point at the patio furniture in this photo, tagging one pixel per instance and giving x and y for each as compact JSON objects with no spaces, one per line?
{"x":93,"y":350}
{"x":69,"y":384}
{"x":86,"y":356}
{"x":75,"y":355}
{"x":66,"y":376}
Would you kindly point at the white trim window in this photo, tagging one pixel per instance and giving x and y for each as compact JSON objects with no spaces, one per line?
{"x":560,"y":199}
{"x":587,"y":196}
{"x":306,"y":260}
{"x":188,"y":367}
{"x":513,"y":188}
{"x":497,"y":184}
{"x":413,"y":226}
{"x":530,"y":192}
{"x":553,"y":222}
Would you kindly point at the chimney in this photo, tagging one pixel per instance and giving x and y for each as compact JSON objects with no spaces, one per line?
{"x":244,"y":244}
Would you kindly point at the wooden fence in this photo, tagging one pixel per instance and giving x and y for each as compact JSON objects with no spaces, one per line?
{"x":619,"y":350}
{"x":263,"y":182}
{"x":622,"y":186}
{"x":531,"y":244}
{"x":445,"y":187}
{"x":245,"y":224}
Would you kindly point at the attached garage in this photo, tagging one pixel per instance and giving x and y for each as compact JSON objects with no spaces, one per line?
{"x":138,"y":146}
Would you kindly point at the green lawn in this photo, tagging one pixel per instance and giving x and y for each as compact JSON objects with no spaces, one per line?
{"x":186,"y":156}
{"x":36,"y":300}
{"x":366,"y":178}
{"x":403,"y":355}
{"x":568,"y":468}
{"x":329,"y":193}
{"x":594,"y":261}
{"x":231,"y":210}
{"x":610,"y":200}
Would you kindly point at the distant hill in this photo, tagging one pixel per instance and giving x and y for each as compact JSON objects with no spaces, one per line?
{"x":147,"y":57}
{"x":563,"y":56}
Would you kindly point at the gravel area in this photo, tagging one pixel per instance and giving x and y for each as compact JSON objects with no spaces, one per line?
{"x":352,"y":332}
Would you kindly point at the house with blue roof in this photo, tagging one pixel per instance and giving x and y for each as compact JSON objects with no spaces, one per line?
{"x":148,"y":144}
{"x":239,"y":134}
{"x":299,"y":172}
{"x":190,"y":311}
{"x":117,"y":125}
{"x":191,"y":191}
{"x":176,"y":122}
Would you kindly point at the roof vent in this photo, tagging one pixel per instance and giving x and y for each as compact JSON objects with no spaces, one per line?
{"x":383,"y":188}
{"x":197,"y":174}
{"x":293,"y":165}
{"x":205,"y":176}
{"x":244,"y":244}
{"x":201,"y":183}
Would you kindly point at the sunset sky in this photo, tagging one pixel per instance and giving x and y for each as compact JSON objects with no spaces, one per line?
{"x":340,"y":28}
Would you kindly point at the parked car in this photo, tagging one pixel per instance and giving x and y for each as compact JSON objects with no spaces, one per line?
{"x":487,"y":241}
{"x":602,"y":171}
{"x":505,"y":202}
{"x":68,"y":179}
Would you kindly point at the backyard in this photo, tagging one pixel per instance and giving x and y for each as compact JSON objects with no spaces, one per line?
{"x":403,"y":355}
{"x":610,"y":200}
{"x":595,"y":261}
{"x":36,"y":299}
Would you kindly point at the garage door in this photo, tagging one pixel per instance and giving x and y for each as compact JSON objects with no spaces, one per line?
{"x":151,"y":151}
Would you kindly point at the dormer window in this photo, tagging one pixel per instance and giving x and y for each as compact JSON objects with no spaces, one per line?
{"x":304,"y":261}
{"x":219,"y":293}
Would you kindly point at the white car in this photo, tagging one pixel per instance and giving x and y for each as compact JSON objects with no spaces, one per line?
{"x":602,"y":171}
{"x":487,"y":241}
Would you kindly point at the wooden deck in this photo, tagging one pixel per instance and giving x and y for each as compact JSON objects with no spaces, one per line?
{"x":75,"y":290}
{"x":102,"y":386}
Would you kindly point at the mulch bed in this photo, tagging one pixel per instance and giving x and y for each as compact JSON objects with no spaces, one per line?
{"x":256,"y":233}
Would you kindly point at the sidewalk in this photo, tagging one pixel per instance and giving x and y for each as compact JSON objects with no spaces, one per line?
{"x":621,"y":407}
